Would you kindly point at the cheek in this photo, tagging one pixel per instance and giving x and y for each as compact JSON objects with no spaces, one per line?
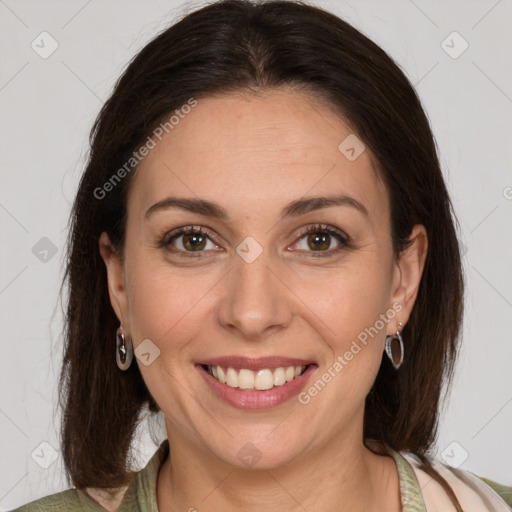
{"x":156,"y":298}
{"x":354,"y":305}
{"x":347,"y":300}
{"x":166,"y":304}
{"x":168,"y":308}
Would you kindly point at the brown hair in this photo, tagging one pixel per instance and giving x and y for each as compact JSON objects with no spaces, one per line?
{"x":240,"y":45}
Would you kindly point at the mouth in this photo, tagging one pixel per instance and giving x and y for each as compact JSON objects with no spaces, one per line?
{"x":261,"y":380}
{"x":255,"y":383}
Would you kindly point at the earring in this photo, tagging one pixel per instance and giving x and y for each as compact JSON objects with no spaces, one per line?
{"x":124,"y":349}
{"x":395,"y":358}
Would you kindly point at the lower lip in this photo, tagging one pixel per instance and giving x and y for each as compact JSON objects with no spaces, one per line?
{"x":253,"y":400}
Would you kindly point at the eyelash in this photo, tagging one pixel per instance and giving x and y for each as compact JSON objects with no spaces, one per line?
{"x":343,"y":239}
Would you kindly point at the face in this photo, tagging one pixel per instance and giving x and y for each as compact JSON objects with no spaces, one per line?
{"x":248,"y":287}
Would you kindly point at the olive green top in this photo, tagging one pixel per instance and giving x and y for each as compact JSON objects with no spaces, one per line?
{"x":141,"y":494}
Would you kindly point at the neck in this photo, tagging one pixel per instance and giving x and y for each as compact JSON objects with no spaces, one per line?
{"x":342,"y":476}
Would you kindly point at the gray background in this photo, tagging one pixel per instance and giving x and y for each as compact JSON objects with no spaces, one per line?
{"x":48,"y":106}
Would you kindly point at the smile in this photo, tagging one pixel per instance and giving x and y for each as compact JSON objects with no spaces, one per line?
{"x":261,"y":380}
{"x":255,"y":384}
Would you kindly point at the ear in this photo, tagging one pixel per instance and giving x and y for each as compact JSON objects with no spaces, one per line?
{"x":116,"y":283}
{"x":407,"y":275}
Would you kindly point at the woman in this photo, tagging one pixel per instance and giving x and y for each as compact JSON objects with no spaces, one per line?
{"x":264,"y":232}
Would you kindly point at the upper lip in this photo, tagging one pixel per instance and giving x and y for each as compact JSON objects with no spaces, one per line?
{"x":255,"y":363}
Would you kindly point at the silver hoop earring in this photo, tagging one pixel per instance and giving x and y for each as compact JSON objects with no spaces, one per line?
{"x":395,"y":348}
{"x":124,"y":350}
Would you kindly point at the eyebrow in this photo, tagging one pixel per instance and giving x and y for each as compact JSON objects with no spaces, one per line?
{"x":293,"y":209}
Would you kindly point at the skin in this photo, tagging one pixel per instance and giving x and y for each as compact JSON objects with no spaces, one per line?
{"x":253,"y":154}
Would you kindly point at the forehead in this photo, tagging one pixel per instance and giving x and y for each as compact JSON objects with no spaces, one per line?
{"x":247,"y":150}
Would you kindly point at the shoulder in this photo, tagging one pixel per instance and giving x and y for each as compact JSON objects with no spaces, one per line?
{"x":141,"y":489}
{"x":504,"y":491}
{"x":474,"y":493}
{"x":72,"y":500}
{"x":59,"y":502}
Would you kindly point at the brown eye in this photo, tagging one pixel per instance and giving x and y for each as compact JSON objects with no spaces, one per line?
{"x":319,"y":241}
{"x":188,"y":240}
{"x":194,"y":241}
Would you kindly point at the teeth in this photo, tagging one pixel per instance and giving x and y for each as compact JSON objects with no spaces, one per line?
{"x":232,"y":378}
{"x":261,"y":379}
{"x":264,"y":380}
{"x":246,"y":379}
{"x":279,"y":376}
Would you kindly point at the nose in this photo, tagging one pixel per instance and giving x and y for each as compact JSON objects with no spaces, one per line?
{"x":256,"y":302}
